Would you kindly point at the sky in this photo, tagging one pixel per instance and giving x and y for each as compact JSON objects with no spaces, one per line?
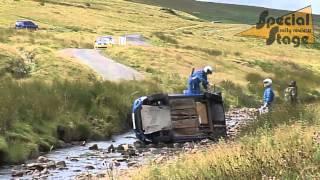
{"x":292,"y":5}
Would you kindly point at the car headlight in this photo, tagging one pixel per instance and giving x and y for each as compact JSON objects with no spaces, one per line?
{"x":133,"y":121}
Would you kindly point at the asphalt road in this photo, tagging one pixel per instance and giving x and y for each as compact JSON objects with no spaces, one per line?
{"x":104,"y":66}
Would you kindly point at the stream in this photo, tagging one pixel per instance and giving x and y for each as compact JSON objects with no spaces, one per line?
{"x":78,"y":159}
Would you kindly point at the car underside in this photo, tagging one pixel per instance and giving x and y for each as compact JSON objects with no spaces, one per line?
{"x":178,"y":117}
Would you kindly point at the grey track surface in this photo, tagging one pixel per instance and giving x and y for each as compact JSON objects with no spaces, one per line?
{"x":104,"y":66}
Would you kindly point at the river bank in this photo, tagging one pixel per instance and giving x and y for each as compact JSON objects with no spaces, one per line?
{"x":38,"y":116}
{"x":110,"y":158}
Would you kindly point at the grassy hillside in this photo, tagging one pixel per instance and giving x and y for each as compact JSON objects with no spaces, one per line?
{"x":71,"y":24}
{"x":177,"y":42}
{"x":227,"y":13}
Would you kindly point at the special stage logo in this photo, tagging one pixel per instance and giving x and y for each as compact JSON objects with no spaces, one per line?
{"x":295,"y":28}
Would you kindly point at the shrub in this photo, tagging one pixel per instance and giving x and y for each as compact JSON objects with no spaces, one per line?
{"x":165,"y":38}
{"x":237,"y":53}
{"x":209,"y":51}
{"x":42,"y":2}
{"x":19,"y":68}
{"x":237,"y":96}
{"x":168,"y":10}
{"x":5,"y":34}
{"x":3,"y":148}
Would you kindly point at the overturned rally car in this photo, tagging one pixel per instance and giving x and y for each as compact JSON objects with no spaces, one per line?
{"x":178,"y":117}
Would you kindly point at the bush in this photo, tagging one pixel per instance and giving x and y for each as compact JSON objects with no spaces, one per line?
{"x":236,"y":95}
{"x":3,"y":148}
{"x":212,"y":52}
{"x":19,"y":68}
{"x":169,"y":11}
{"x":5,"y":34}
{"x":42,"y":2}
{"x":165,"y":38}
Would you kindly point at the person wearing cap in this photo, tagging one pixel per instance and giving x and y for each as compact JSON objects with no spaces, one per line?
{"x":197,"y":78}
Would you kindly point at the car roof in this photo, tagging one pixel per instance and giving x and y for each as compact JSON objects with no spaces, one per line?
{"x":102,"y":37}
{"x":24,"y":21}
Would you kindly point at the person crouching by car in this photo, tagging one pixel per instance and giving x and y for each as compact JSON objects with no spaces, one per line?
{"x":198,"y":77}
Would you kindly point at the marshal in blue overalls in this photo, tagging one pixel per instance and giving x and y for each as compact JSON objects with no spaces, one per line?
{"x":197,"y":77}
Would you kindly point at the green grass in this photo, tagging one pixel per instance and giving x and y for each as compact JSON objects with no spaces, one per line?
{"x":285,"y":146}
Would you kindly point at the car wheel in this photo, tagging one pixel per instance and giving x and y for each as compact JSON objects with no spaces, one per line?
{"x":158,"y":97}
{"x":163,"y":136}
{"x":219,"y":133}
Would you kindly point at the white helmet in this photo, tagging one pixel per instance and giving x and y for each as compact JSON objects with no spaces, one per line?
{"x":267,"y":82}
{"x":208,"y":69}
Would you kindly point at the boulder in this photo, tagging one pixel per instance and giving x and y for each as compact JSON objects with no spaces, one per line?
{"x":116,"y":163}
{"x":111,"y":149}
{"x":101,"y":176}
{"x":42,"y":159}
{"x":204,"y":141}
{"x":132,"y":152}
{"x":89,"y":167}
{"x":35,"y":166}
{"x":155,"y":150}
{"x":139,"y":144}
{"x":150,"y":146}
{"x":50,"y":165}
{"x":61,"y":164}
{"x":35,"y":174}
{"x":121,"y":159}
{"x":16,"y":173}
{"x":44,"y":171}
{"x":133,"y":163}
{"x":74,"y":159}
{"x":188,"y":145}
{"x":140,"y":151}
{"x":94,"y":147}
{"x":177,"y":145}
{"x":120,"y":148}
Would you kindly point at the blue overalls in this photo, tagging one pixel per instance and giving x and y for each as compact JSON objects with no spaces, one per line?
{"x":194,"y":82}
{"x":268,"y":96}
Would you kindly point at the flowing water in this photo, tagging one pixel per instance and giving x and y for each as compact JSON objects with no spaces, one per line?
{"x":78,"y":158}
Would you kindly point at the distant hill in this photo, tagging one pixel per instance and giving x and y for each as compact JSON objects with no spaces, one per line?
{"x":227,"y":13}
